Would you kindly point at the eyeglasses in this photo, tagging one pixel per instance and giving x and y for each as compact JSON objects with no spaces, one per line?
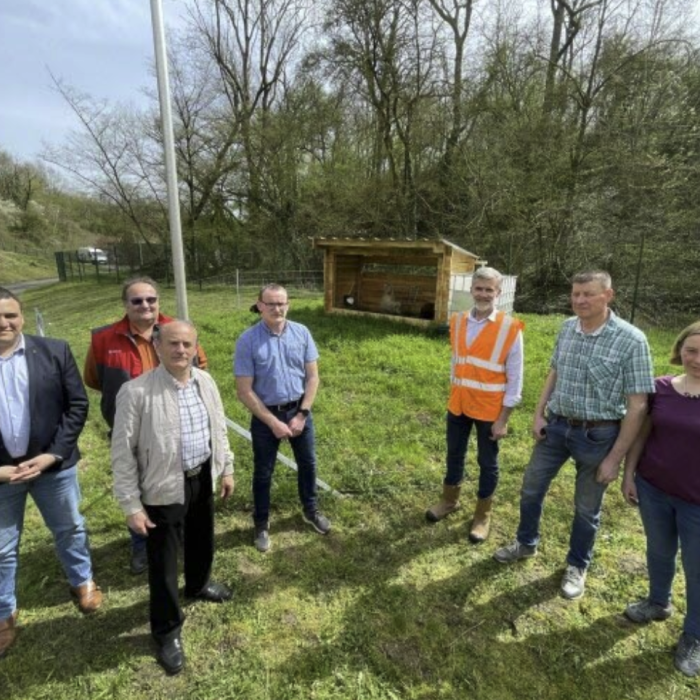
{"x":137,"y":301}
{"x":275,"y":304}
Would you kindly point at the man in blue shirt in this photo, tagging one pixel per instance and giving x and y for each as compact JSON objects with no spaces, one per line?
{"x":276,"y":369}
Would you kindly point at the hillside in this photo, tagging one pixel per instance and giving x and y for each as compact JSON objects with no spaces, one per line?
{"x":18,"y":267}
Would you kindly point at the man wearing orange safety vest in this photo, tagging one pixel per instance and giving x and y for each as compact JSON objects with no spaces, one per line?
{"x":486,"y":385}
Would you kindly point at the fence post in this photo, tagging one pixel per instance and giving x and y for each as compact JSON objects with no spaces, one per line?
{"x":40,"y":326}
{"x":238,"y":290}
{"x":116,"y":261}
{"x":60,"y":266}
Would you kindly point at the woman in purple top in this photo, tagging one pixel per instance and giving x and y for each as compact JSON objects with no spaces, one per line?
{"x":662,"y":476}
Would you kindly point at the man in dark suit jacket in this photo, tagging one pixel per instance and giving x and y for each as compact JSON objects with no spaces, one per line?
{"x":43,"y":407}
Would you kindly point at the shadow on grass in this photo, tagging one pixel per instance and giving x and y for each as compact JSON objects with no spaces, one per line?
{"x":471,"y":630}
{"x":72,"y":646}
{"x":424,"y":638}
{"x":42,"y":582}
{"x":523,"y":642}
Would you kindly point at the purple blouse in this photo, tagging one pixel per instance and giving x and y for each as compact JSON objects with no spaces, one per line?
{"x":671,"y":457}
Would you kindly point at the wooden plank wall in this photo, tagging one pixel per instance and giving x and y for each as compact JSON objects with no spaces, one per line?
{"x":400,"y":295}
{"x":462,"y":264}
{"x":347,"y":278}
{"x":443,"y":286}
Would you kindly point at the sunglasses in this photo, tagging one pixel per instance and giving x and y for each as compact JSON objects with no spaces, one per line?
{"x":137,"y":301}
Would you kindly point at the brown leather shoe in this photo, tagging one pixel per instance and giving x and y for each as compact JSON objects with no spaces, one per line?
{"x":8,"y":633}
{"x":88,"y":597}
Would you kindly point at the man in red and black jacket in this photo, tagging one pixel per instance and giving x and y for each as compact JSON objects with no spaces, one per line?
{"x":123,"y":351}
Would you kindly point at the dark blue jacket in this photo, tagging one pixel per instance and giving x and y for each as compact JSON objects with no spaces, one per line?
{"x":58,"y":404}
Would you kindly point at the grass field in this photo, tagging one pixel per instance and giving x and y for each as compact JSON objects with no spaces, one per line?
{"x":16,"y":267}
{"x":386,"y":606}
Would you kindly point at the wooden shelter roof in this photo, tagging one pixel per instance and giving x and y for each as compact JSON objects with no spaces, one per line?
{"x":435,"y":246}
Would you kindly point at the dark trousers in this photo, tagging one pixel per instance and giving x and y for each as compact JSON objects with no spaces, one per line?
{"x":265,"y":446}
{"x":196,"y":518}
{"x":458,"y":430}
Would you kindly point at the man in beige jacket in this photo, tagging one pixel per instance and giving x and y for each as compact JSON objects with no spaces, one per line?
{"x":169,"y":446}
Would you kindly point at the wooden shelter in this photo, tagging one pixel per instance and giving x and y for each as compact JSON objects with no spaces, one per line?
{"x":408,"y":279}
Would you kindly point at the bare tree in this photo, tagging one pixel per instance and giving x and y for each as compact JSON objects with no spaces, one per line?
{"x":254,"y":44}
{"x":111,"y":158}
{"x":457,"y":15}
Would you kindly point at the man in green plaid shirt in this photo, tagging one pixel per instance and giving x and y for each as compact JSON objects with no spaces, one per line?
{"x":591,"y":408}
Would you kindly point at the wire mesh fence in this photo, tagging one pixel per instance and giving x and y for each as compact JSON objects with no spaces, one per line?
{"x":118,"y":263}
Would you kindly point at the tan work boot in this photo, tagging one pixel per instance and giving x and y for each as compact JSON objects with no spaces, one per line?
{"x":8,"y":633}
{"x":88,"y":597}
{"x":448,"y":504}
{"x":481,"y":524}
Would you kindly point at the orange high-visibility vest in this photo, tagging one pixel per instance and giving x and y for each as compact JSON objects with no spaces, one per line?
{"x":478,"y":378}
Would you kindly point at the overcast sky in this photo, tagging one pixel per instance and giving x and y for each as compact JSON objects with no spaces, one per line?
{"x":103,"y":47}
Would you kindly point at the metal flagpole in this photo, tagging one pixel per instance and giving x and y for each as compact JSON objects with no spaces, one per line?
{"x":170,"y":164}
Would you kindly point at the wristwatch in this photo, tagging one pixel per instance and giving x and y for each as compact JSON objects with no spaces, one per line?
{"x":304,"y":412}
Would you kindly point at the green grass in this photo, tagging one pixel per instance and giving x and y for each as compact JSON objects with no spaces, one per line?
{"x":16,"y":267}
{"x":384,"y":607}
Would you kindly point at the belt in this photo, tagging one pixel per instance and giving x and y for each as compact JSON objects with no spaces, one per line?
{"x":195,"y":471}
{"x":282,"y":407}
{"x":578,"y":423}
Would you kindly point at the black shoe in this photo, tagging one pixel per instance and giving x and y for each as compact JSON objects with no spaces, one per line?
{"x":139,"y":561}
{"x":212,"y":592}
{"x":171,"y":656}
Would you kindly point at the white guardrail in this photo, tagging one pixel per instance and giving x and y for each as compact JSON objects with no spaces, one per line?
{"x":282,"y":458}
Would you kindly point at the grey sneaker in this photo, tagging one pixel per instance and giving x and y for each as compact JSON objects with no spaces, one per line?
{"x":514,"y":552}
{"x":573,"y":584}
{"x":318,"y":522}
{"x":687,"y":658}
{"x":261,"y":539}
{"x":646,"y":611}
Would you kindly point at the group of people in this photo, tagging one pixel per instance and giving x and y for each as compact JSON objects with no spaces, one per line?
{"x":599,"y":407}
{"x":169,"y":445}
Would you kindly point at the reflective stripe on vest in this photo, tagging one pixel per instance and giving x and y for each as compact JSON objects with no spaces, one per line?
{"x":477,"y":362}
{"x":478,"y":385}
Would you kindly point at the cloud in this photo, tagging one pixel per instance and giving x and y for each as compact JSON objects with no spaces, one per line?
{"x":84,"y":21}
{"x":103,"y":47}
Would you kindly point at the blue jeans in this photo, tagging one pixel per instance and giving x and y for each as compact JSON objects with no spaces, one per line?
{"x":138,"y":542}
{"x":668,"y":520}
{"x":57,"y":496}
{"x":587,"y":447}
{"x":458,"y":430}
{"x":265,"y":446}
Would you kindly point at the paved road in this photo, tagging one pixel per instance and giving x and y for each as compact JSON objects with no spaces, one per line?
{"x":19,"y":287}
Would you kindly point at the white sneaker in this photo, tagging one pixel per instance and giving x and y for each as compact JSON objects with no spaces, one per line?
{"x":573,"y":584}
